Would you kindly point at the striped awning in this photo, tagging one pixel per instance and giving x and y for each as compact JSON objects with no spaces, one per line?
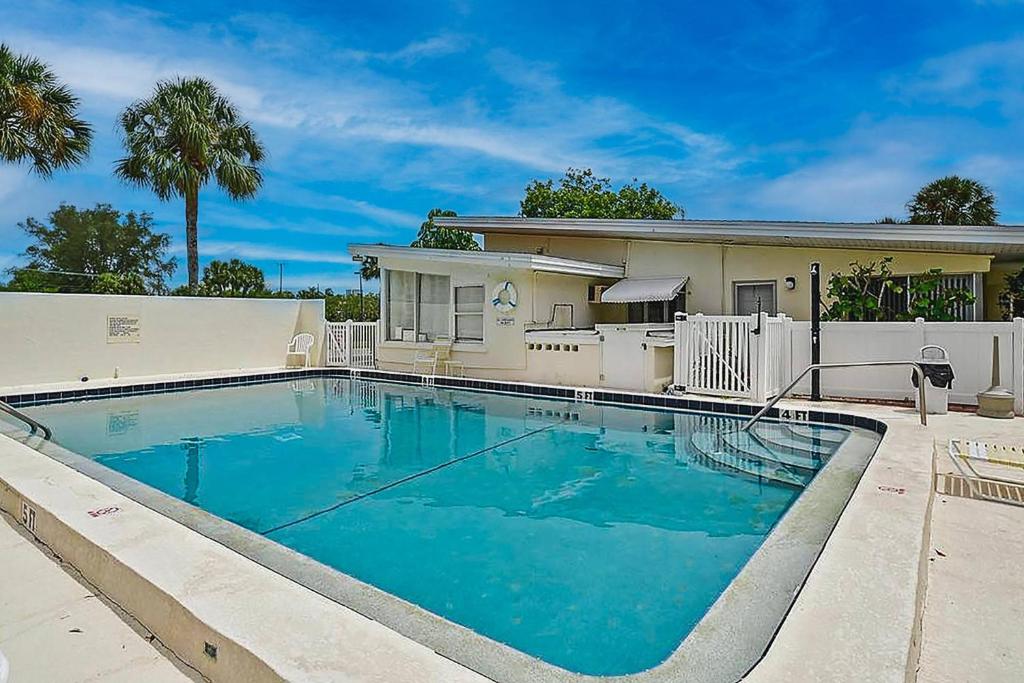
{"x":635,"y":289}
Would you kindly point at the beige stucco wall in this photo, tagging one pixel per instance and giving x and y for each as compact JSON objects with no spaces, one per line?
{"x":503,"y":353}
{"x":48,"y":338}
{"x":713,"y":268}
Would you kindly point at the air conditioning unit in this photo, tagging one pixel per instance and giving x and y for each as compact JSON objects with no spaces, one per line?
{"x":594,"y":293}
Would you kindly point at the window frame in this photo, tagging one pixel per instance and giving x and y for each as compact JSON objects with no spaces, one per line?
{"x":455,"y":313}
{"x":737,"y":284}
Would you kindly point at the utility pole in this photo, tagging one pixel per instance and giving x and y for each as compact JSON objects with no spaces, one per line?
{"x":280,"y":277}
{"x":362,"y":312}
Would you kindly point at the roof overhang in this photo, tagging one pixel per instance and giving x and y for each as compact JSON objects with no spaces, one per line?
{"x":639,"y":289}
{"x":492,"y":259}
{"x":1005,"y":241}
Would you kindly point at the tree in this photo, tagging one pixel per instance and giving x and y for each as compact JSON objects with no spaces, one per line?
{"x":1011,"y":299}
{"x":369,"y":269}
{"x":580,"y":194}
{"x":24,"y":280}
{"x":929,"y":299}
{"x":179,"y":139}
{"x":347,"y":306}
{"x":38,"y":116}
{"x":99,"y":240}
{"x":859,"y":295}
{"x":953,"y":201}
{"x":432,"y":236}
{"x":114,"y":283}
{"x":233,"y":278}
{"x":866,"y":294}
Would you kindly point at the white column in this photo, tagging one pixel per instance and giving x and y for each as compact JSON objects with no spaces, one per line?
{"x":680,"y":353}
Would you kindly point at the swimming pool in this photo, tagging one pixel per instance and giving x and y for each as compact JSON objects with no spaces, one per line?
{"x":593,"y":537}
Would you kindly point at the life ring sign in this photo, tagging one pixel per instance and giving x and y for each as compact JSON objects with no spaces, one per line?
{"x":504,"y":297}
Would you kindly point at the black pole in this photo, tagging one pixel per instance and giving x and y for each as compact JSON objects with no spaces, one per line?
{"x":815,"y":329}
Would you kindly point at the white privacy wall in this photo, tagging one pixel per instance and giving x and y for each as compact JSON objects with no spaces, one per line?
{"x":47,"y":338}
{"x":969,"y":345}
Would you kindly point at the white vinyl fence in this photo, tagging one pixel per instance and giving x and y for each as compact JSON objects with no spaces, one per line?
{"x":722,"y":356}
{"x":745,"y":356}
{"x":969,"y":345}
{"x":351,"y":344}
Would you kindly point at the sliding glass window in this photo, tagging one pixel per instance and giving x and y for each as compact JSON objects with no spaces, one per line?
{"x":418,"y":306}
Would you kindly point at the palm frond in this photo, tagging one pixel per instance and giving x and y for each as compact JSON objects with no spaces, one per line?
{"x":39,"y":120}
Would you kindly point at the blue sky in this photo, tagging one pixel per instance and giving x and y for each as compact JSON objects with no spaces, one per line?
{"x":373,"y":113}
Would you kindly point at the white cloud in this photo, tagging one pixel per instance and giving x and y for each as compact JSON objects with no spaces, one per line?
{"x":333,"y":104}
{"x":990,"y":72}
{"x":857,"y":189}
{"x":869,"y":172}
{"x":221,"y":216}
{"x":12,"y":180}
{"x":268,"y":252}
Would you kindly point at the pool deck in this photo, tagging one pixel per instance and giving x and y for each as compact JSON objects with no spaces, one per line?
{"x":44,"y":609}
{"x":881,"y":604}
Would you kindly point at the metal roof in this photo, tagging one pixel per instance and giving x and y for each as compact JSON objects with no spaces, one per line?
{"x":537,"y":262}
{"x":997,"y":240}
{"x":635,"y":289}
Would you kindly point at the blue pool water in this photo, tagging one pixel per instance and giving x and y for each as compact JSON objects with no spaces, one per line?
{"x":593,"y":537}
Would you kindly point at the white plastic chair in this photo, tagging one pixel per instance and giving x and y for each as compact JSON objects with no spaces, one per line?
{"x":439,"y":357}
{"x":300,"y":346}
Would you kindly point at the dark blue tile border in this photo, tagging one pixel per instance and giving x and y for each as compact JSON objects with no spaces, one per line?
{"x":661,"y":401}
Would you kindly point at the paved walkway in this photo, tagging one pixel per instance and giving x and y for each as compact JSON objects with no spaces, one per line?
{"x":54,"y":629}
{"x":973,"y":626}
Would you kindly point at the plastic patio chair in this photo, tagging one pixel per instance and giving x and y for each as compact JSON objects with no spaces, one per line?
{"x":965,"y":454}
{"x":439,"y":357}
{"x":300,"y":346}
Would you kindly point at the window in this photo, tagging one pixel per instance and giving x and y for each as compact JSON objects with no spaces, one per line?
{"x":469,"y":313}
{"x":401,"y":301}
{"x":434,"y":307}
{"x":895,"y":304}
{"x":656,"y":311}
{"x":747,"y":295}
{"x":418,"y":306}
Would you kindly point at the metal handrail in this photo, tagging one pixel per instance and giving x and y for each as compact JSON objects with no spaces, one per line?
{"x":828,"y":366}
{"x":34,"y":425}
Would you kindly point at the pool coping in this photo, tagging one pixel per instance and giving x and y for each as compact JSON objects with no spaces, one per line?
{"x":700,"y":653}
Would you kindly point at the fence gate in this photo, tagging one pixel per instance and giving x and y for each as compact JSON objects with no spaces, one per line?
{"x":351,"y":344}
{"x":745,"y":356}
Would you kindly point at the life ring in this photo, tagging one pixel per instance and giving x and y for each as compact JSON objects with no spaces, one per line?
{"x":504,"y":297}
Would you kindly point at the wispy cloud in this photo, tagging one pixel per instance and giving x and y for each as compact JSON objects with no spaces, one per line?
{"x":546,"y":129}
{"x":269,"y":252}
{"x":429,"y":48}
{"x":986,"y":73}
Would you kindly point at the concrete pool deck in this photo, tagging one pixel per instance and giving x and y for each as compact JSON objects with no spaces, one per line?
{"x":192,"y":591}
{"x":43,"y":609}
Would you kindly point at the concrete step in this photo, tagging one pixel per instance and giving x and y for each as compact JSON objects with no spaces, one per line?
{"x":712,"y":448}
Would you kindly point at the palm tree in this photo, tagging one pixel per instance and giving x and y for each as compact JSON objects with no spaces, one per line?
{"x":369,"y":269}
{"x":180,"y":138}
{"x":38,"y":116}
{"x":953,"y":201}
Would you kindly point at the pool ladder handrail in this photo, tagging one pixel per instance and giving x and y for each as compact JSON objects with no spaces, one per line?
{"x":918,"y":371}
{"x":34,"y":425}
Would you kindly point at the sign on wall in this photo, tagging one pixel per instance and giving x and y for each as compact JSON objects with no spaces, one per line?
{"x":123,"y":329}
